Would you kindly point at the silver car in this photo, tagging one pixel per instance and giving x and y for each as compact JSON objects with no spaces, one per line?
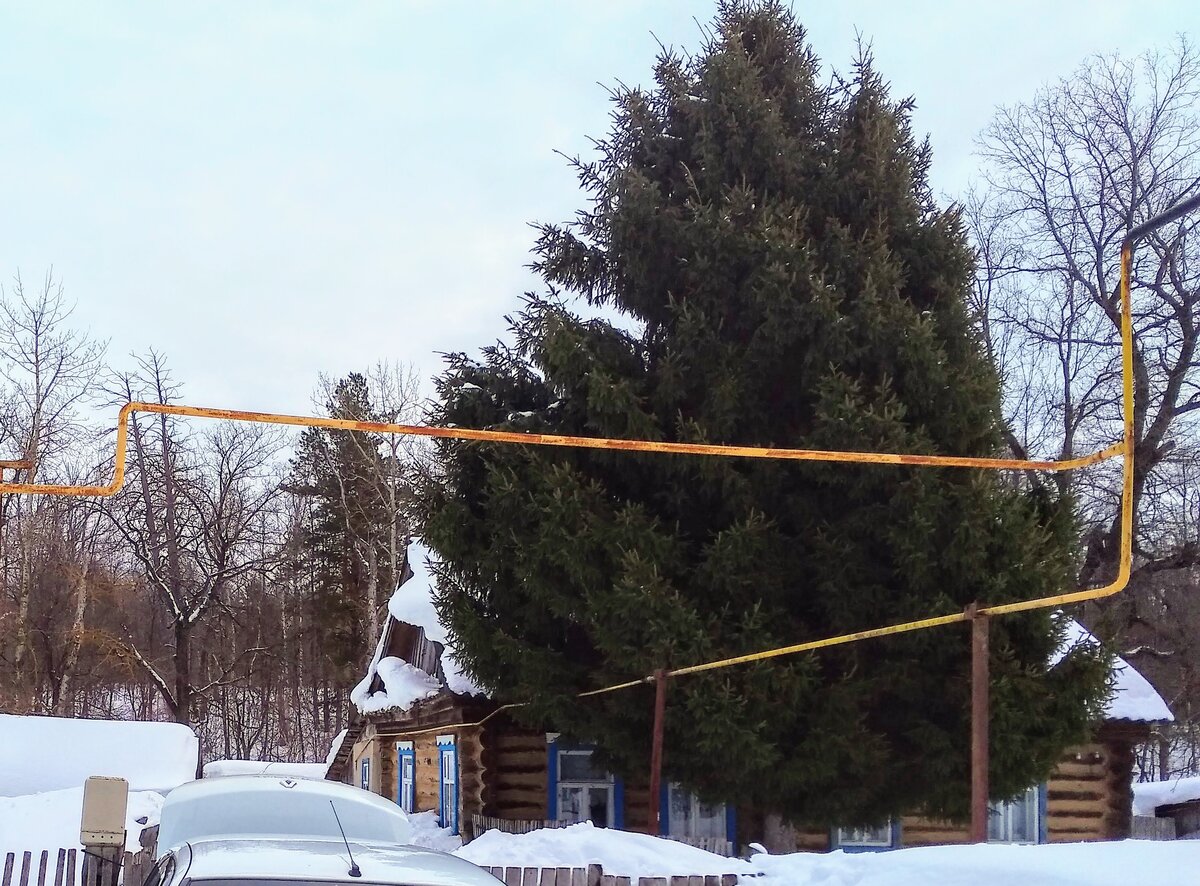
{"x":268,"y":831}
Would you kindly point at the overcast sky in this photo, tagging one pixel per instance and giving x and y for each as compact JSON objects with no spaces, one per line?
{"x":266,"y":191}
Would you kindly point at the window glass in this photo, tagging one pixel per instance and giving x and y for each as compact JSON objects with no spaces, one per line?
{"x":688,"y":817}
{"x":877,"y":835}
{"x":578,"y":766}
{"x":586,"y":802}
{"x":1014,"y":821}
{"x":407,"y":781}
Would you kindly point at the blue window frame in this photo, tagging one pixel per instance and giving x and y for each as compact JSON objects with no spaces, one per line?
{"x":406,"y":776}
{"x":577,"y":791}
{"x":682,"y":814}
{"x":364,"y":774}
{"x":874,"y":838}
{"x":447,"y":782}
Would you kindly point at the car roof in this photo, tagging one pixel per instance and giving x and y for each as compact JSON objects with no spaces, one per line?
{"x":243,"y":806}
{"x":326,"y":861}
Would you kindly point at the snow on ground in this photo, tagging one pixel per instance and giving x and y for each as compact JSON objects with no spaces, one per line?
{"x":1133,"y":697}
{"x":428,"y":835}
{"x":1149,"y":795}
{"x":40,"y":754}
{"x":622,"y":853}
{"x":51,"y":820}
{"x":1123,"y":863}
{"x":219,"y":768}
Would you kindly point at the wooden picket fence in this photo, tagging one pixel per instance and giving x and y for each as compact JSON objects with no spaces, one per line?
{"x":477,"y":824}
{"x":66,"y":868}
{"x":593,"y":875}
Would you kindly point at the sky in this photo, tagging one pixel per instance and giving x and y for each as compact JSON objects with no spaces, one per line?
{"x":264,"y":192}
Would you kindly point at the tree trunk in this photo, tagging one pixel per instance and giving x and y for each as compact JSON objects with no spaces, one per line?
{"x":74,"y":637}
{"x":183,"y":675}
{"x":372,"y":593}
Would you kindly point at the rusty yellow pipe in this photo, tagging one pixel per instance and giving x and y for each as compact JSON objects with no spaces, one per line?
{"x":490,"y":436}
{"x":1125,"y":448}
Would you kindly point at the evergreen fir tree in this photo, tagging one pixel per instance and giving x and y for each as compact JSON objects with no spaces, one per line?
{"x":334,"y":470}
{"x":784,"y":278}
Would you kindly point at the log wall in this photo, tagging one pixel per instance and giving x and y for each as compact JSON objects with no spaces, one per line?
{"x":517,"y":765}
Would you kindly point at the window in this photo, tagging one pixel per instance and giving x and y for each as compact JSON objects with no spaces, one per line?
{"x":882,"y":836}
{"x":406,"y":784}
{"x":1017,"y":820}
{"x":364,"y":774}
{"x":686,"y":816}
{"x":448,"y":783}
{"x":579,"y":791}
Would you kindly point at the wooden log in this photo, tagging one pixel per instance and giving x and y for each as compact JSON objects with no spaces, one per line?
{"x":58,"y":867}
{"x":1063,"y":806}
{"x":70,"y":867}
{"x":547,"y":878}
{"x":562,"y":877}
{"x":654,"y":881}
{"x":594,"y":873}
{"x":26,"y":863}
{"x":1082,"y":770}
{"x":530,"y":878}
{"x":43,"y":858}
{"x":512,"y":877}
{"x":6,"y":879}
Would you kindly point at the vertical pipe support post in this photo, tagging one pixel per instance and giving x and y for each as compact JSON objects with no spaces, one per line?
{"x":654,"y":817}
{"x":979,"y":723}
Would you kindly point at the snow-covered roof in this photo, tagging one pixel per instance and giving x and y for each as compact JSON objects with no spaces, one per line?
{"x":1133,"y":697}
{"x":400,"y":683}
{"x":40,"y":754}
{"x":1149,"y":795}
{"x":220,"y":768}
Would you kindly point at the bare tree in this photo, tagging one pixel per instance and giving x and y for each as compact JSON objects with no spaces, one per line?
{"x":1067,"y":175}
{"x":187,"y":520}
{"x":48,"y":368}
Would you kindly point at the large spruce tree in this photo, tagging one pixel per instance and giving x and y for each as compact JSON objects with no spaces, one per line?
{"x":781,"y":276}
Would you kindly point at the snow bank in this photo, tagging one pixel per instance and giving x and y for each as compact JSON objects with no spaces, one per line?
{"x":219,"y":768}
{"x":51,"y":820}
{"x":39,"y":754}
{"x":1123,"y":863}
{"x":618,"y":852}
{"x":1149,"y":795}
{"x":427,"y":834}
{"x":1133,"y":697}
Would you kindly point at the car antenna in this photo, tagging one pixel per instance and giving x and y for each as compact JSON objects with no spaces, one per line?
{"x":354,"y":871}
